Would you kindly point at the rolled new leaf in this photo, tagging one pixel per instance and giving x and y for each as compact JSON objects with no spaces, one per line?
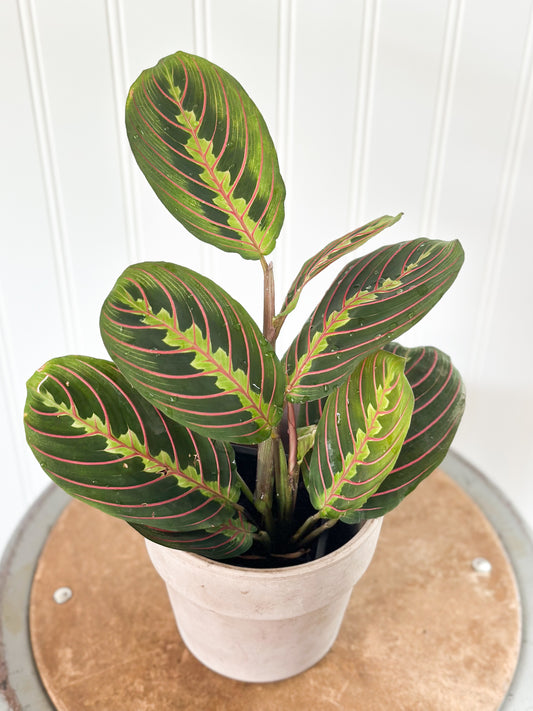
{"x":439,"y":405}
{"x":359,"y":435}
{"x":229,"y":540}
{"x":101,"y":442}
{"x":373,"y":300}
{"x":193,"y":352}
{"x":205,"y":149}
{"x":328,"y":255}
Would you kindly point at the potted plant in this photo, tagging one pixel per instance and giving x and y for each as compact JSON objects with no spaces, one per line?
{"x":236,"y":464}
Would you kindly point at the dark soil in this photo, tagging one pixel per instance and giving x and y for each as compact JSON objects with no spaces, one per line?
{"x":327,"y":542}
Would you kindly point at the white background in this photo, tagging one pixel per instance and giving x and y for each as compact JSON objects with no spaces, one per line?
{"x":376,"y":106}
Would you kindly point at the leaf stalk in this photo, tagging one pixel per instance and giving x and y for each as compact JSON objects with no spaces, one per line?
{"x":264,"y":484}
{"x":269,"y":303}
{"x":283,"y":490}
{"x":306,"y":525}
{"x":294,"y":469}
{"x":318,"y":531}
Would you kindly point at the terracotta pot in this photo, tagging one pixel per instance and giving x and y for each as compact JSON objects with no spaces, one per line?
{"x":262,"y":625}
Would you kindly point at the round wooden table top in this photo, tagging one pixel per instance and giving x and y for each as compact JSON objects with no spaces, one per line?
{"x":425,"y":630}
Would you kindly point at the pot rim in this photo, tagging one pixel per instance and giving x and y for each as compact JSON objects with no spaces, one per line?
{"x":282,"y":572}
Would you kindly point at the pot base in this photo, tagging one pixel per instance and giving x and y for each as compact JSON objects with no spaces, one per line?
{"x":262,"y":625}
{"x":248,"y":650}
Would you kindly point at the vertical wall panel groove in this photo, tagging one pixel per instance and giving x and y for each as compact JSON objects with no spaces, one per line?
{"x":49,"y":168}
{"x":437,"y":151}
{"x":11,"y":406}
{"x":284,"y":129}
{"x":202,"y":48}
{"x":362,"y":126}
{"x":500,"y":224}
{"x":285,"y":79}
{"x":17,"y":490}
{"x":117,"y":51}
{"x":375,"y":106}
{"x":200,"y":18}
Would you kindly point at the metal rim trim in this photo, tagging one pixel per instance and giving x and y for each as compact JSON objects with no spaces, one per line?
{"x":517,"y":541}
{"x":20,"y":686}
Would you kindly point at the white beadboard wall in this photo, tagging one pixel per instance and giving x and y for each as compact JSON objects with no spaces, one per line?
{"x":376,"y":106}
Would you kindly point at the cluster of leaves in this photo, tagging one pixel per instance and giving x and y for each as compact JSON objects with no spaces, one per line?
{"x":149,"y":436}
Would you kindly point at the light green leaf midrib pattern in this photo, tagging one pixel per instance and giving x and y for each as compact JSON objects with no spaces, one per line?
{"x":362,"y":440}
{"x":320,"y":340}
{"x":201,"y":152}
{"x":129,"y":445}
{"x":217,"y":364}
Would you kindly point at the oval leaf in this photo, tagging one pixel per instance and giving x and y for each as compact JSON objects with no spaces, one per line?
{"x":439,"y":405}
{"x":103,"y":443}
{"x":205,"y":149}
{"x":373,"y":300}
{"x":193,"y":352}
{"x":229,"y":540}
{"x":359,"y":435}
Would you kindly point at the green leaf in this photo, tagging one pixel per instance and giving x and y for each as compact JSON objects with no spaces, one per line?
{"x":193,"y":352}
{"x":329,"y":254}
{"x":359,"y":435}
{"x":205,"y":149}
{"x":104,"y":444}
{"x":373,"y":300}
{"x":229,"y":540}
{"x":308,"y":415}
{"x":305,"y":441}
{"x":439,"y":405}
{"x":309,"y":412}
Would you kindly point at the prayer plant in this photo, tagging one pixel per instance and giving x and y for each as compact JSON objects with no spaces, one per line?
{"x":339,"y":429}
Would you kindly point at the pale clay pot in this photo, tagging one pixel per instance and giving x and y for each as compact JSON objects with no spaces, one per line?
{"x":262,"y":625}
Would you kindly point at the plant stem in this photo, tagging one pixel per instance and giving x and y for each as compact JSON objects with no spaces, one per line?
{"x":263,"y":538}
{"x":268,"y":450}
{"x":317,"y":531}
{"x":283,"y":490}
{"x":306,"y":525}
{"x":246,"y":489}
{"x":294,"y":469}
{"x":264,"y":482}
{"x":269,"y":306}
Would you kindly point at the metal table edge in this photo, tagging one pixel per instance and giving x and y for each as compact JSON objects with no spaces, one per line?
{"x":20,"y":685}
{"x":517,"y":540}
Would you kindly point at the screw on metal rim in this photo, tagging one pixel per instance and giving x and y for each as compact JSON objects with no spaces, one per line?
{"x":62,"y":595}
